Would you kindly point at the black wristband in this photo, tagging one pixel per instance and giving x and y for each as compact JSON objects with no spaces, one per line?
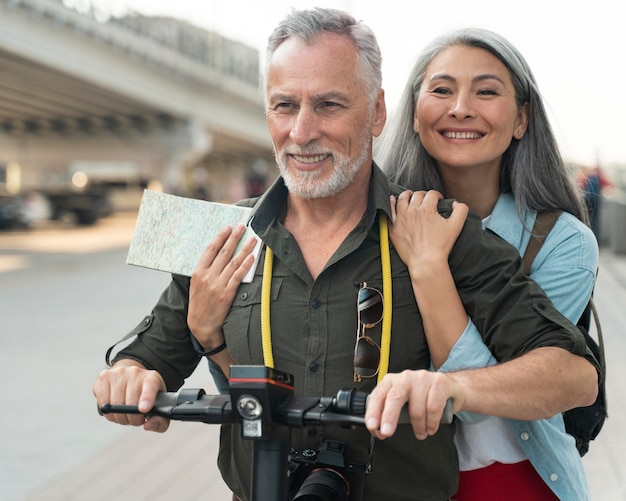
{"x":200,"y":350}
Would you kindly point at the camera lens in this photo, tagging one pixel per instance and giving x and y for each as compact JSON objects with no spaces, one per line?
{"x":323,"y":484}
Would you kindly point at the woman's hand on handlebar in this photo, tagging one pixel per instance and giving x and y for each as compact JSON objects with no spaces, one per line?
{"x":424,"y":392}
{"x":130,"y":383}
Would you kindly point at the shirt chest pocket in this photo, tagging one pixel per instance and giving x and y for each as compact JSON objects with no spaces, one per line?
{"x":409,"y":349}
{"x":242,"y":328}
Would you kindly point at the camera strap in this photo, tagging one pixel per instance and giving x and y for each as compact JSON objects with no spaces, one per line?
{"x":385,"y":342}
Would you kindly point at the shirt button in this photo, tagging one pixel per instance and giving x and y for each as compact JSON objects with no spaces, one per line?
{"x":244,"y":296}
{"x":554,"y":477}
{"x":146,"y":321}
{"x":541,"y":306}
{"x":316,"y":303}
{"x":313,"y":366}
{"x":312,"y":432}
{"x":524,"y":436}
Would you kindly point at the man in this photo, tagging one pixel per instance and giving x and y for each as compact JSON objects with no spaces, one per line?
{"x":323,"y":221}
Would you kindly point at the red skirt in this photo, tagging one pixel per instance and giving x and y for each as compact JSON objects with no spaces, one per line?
{"x":498,"y":482}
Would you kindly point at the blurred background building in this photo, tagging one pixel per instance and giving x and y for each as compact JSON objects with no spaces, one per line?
{"x":95,"y":108}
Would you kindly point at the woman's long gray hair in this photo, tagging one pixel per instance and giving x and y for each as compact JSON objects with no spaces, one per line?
{"x":532,"y":167}
{"x":307,"y":25}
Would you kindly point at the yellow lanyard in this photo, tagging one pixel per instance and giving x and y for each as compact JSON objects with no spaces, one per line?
{"x":385,"y":343}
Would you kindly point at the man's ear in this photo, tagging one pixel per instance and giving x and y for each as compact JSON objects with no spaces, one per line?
{"x":380,"y":114}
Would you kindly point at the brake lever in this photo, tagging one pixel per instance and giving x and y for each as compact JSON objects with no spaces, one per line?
{"x":186,"y":405}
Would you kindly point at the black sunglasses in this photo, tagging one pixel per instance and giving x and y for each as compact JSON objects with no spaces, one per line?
{"x":366,"y":351}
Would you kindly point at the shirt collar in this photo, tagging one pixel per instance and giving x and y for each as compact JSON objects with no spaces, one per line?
{"x":380,"y":192}
{"x":505,"y":220}
{"x":272,"y":202}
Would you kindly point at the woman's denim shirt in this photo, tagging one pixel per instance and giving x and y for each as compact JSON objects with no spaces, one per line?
{"x":565,"y":267}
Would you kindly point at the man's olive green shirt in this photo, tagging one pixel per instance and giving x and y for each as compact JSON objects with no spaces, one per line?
{"x":314,"y":326}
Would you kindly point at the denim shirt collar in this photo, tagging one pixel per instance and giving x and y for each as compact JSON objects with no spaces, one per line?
{"x":506,"y":223}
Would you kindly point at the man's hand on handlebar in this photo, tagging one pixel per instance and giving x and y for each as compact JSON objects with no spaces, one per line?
{"x":130,"y":383}
{"x":425,"y":393}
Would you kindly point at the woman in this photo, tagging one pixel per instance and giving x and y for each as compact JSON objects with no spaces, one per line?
{"x":472,"y":126}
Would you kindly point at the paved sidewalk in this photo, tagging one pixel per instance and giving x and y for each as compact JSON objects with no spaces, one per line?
{"x":605,"y":463}
{"x":181,"y":464}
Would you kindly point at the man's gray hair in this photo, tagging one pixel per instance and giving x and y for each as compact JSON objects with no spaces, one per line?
{"x":307,"y":25}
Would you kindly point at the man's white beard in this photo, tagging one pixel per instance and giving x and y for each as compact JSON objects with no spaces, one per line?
{"x":307,"y":184}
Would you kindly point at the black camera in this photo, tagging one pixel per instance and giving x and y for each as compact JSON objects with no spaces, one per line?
{"x":324,"y":475}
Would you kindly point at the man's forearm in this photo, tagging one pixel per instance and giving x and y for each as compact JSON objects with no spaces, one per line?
{"x":537,"y":385}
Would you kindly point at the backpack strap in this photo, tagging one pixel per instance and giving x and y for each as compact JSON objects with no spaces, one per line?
{"x":543,"y":225}
{"x":596,"y":319}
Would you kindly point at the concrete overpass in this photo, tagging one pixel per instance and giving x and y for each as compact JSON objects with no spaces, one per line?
{"x":155,"y":98}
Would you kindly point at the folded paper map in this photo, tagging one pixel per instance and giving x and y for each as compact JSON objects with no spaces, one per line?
{"x":172,"y":232}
